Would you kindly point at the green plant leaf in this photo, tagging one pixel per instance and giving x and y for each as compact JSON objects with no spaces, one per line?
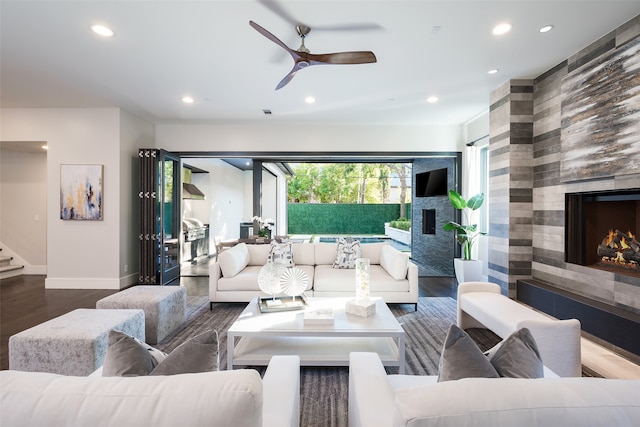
{"x":452,"y":226}
{"x":476,"y":201}
{"x":456,"y":200}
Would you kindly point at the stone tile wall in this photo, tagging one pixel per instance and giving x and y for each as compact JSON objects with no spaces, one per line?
{"x":526,"y":190}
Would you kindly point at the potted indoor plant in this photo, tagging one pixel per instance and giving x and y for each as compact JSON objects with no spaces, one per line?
{"x":466,"y":268}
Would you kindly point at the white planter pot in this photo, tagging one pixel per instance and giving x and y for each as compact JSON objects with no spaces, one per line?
{"x":468,"y":271}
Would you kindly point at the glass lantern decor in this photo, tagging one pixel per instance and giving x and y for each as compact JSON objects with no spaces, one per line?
{"x":362,"y":280}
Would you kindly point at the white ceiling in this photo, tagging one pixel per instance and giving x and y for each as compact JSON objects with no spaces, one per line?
{"x":163,"y":50}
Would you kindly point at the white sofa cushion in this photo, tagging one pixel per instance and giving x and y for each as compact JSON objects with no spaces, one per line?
{"x":372,"y":251}
{"x":231,"y":398}
{"x":394,"y":262}
{"x":329,"y":279}
{"x":258,"y":254}
{"x":304,"y":254}
{"x":325,"y":253}
{"x":246,"y":280}
{"x":520,"y":402}
{"x":233,"y":260}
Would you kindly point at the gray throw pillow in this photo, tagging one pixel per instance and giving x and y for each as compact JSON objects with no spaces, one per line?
{"x":462,"y":358}
{"x":127,"y":357}
{"x":517,"y":356}
{"x":198,"y":354}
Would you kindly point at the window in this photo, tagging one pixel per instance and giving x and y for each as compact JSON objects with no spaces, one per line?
{"x":484,"y":185}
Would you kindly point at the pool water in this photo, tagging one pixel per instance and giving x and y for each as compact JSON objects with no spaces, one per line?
{"x":367,"y":239}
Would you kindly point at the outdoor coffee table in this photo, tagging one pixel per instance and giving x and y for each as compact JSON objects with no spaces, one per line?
{"x":254,"y":337}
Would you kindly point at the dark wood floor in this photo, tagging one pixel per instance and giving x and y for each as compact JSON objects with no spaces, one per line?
{"x":24,"y":302}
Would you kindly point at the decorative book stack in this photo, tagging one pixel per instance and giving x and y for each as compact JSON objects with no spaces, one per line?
{"x":318,"y":316}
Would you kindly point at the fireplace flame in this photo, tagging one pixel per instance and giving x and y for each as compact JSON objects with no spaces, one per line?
{"x":621,"y":249}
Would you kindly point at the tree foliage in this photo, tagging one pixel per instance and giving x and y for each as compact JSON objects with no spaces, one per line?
{"x":346,"y":182}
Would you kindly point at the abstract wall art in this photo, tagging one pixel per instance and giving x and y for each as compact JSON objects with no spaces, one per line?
{"x":81,"y":194}
{"x":600,"y":134}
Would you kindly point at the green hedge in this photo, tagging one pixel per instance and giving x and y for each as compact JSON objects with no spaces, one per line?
{"x":307,"y":218}
{"x":401,"y":225}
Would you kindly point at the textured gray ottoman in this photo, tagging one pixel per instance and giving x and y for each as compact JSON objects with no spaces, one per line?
{"x":164,"y":307}
{"x":72,"y":344}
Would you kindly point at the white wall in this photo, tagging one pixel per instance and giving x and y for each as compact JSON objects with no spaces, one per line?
{"x":306,"y":138}
{"x":135,"y":133}
{"x":85,"y":254}
{"x":23,"y":209}
{"x":95,"y":254}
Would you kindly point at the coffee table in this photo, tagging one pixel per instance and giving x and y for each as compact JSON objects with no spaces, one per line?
{"x":254,"y":337}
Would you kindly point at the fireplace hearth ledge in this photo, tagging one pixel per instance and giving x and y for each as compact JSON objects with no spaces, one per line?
{"x":612,"y":327}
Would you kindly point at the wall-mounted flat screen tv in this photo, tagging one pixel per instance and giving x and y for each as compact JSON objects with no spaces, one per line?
{"x":432,"y":183}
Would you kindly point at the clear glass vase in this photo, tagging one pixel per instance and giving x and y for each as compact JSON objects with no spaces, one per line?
{"x":362,"y":280}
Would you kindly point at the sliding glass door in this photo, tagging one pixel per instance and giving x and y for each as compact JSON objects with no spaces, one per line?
{"x":160,"y":184}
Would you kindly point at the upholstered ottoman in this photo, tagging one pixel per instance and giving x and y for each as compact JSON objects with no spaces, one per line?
{"x":164,"y":307}
{"x":72,"y":344}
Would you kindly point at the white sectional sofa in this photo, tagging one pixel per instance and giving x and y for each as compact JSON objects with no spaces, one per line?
{"x":237,"y":398}
{"x":393,"y":276}
{"x":377,"y":399}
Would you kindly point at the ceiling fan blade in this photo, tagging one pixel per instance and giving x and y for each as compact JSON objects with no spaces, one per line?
{"x":276,"y":8}
{"x":289,"y":76}
{"x":359,"y":57}
{"x":274,"y":39}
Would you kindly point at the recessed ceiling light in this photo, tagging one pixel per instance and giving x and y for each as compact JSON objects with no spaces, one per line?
{"x":493,"y":71}
{"x":187,"y":100}
{"x":501,"y":29}
{"x":546,"y":29}
{"x":102,"y":30}
{"x":309,"y":100}
{"x":432,"y":99}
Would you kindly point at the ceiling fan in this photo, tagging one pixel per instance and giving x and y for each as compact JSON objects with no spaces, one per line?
{"x":303,"y":58}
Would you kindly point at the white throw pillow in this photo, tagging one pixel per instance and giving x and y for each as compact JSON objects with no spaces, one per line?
{"x":282,"y":253}
{"x":234,"y":260}
{"x":394,"y":262}
{"x":347,"y":253}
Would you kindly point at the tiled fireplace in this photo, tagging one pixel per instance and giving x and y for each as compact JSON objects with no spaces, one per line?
{"x":564,"y":172}
{"x":601,"y":230}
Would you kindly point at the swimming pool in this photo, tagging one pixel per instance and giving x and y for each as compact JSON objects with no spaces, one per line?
{"x":366,"y":239}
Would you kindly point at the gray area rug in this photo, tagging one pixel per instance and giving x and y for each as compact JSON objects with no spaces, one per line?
{"x":324,"y":391}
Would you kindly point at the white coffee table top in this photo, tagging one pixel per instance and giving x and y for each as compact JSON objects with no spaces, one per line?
{"x":255,"y":337}
{"x":251,"y":320}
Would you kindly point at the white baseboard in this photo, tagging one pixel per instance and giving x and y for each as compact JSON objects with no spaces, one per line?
{"x":81,"y":283}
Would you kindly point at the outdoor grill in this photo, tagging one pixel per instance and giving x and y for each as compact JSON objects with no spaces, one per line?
{"x":193,"y":229}
{"x":196,"y":239}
